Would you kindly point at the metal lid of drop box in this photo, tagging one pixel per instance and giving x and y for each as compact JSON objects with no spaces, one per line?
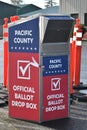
{"x":56,"y":33}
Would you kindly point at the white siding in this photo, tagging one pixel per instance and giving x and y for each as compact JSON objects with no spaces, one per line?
{"x":74,"y":6}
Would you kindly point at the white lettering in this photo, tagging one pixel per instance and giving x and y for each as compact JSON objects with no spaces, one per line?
{"x":48,"y":109}
{"x":61,"y":107}
{"x":54,"y":108}
{"x":23,"y":32}
{"x":23,"y":40}
{"x":18,"y":103}
{"x":55,"y":66}
{"x":24,"y":97}
{"x":55,"y":96}
{"x":23,"y":89}
{"x":60,"y":101}
{"x":55,"y":61}
{"x":31,"y":105}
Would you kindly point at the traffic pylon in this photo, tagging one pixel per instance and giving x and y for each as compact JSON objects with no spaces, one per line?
{"x":76,"y":27}
{"x":78,"y":49}
{"x":14,"y":18}
{"x":5,"y":38}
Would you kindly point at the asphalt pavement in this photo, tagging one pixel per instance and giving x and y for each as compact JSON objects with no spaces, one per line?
{"x":76,"y":121}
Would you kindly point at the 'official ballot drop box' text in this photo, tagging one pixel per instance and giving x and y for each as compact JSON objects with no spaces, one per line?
{"x":39,"y":67}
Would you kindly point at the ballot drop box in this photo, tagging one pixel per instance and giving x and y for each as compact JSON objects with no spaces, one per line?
{"x":39,"y":67}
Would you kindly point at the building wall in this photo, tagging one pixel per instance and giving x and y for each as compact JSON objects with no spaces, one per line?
{"x":83,"y":77}
{"x":74,"y":7}
{"x":7,"y":10}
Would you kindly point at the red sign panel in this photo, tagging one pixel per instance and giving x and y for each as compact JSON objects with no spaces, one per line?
{"x":24,"y":86}
{"x":55,"y":87}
